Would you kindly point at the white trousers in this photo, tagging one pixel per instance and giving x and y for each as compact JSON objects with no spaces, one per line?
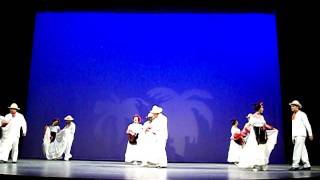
{"x":300,"y":152}
{"x":163,"y":161}
{"x":8,"y":145}
{"x":67,"y":154}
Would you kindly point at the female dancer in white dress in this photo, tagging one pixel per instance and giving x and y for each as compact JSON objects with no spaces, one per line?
{"x":260,"y":142}
{"x":234,"y":147}
{"x":133,"y":152}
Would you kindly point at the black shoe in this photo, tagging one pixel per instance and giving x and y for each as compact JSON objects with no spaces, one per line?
{"x":306,"y":169}
{"x":294,"y":169}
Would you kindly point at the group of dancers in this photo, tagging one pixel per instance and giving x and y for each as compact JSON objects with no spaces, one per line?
{"x":147,"y":143}
{"x":251,"y":147}
{"x":56,"y":142}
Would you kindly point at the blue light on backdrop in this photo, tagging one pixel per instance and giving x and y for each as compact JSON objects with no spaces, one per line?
{"x":103,"y":67}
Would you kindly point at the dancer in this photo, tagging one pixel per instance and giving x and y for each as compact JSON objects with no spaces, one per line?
{"x":13,"y":122}
{"x":155,"y":139}
{"x":260,"y":143}
{"x":133,"y":152}
{"x":235,"y":143}
{"x":300,"y":127}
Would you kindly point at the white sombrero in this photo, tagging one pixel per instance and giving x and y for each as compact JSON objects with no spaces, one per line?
{"x":156,"y":109}
{"x":296,"y":102}
{"x":68,"y":118}
{"x":14,"y":106}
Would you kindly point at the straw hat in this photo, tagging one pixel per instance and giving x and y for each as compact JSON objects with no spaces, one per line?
{"x":14,"y":106}
{"x":156,"y":109}
{"x":296,"y":102}
{"x":68,"y":118}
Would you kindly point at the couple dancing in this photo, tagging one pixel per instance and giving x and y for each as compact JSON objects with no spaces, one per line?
{"x":147,"y":142}
{"x":57,"y":142}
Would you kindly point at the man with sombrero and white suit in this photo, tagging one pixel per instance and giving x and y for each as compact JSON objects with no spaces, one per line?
{"x":159,"y":129}
{"x":69,"y":129}
{"x":300,"y":127}
{"x":11,"y":126}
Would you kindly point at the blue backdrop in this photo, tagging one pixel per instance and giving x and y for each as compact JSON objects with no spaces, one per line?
{"x":103,"y":67}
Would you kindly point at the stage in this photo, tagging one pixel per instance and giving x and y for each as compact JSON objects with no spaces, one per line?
{"x":38,"y":169}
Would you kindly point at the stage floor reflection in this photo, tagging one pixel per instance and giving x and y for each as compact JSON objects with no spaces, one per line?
{"x":35,"y":169}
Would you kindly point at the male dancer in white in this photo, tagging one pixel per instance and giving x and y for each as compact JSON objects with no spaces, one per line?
{"x":300,"y":125}
{"x":160,"y":128}
{"x":154,"y":139}
{"x":11,"y":133}
{"x":69,"y":129}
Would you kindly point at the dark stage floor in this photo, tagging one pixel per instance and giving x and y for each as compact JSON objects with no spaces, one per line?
{"x":38,"y":169}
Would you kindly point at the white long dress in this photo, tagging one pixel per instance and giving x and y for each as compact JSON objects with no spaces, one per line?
{"x":234,"y":148}
{"x":254,"y":154}
{"x":133,"y":152}
{"x":55,"y":149}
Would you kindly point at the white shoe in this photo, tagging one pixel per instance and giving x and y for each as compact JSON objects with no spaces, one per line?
{"x":264,"y":168}
{"x":255,"y":168}
{"x":161,"y":166}
{"x":66,"y":158}
{"x":144,"y":164}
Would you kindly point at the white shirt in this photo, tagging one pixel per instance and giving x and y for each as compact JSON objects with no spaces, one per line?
{"x":135,"y":127}
{"x":55,"y":129}
{"x":71,"y":129}
{"x":15,"y":124}
{"x":160,"y":126}
{"x":300,"y":125}
{"x":257,"y":121}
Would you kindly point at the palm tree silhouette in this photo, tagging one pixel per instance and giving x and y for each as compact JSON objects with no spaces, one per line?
{"x":181,"y":110}
{"x":113,"y":115}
